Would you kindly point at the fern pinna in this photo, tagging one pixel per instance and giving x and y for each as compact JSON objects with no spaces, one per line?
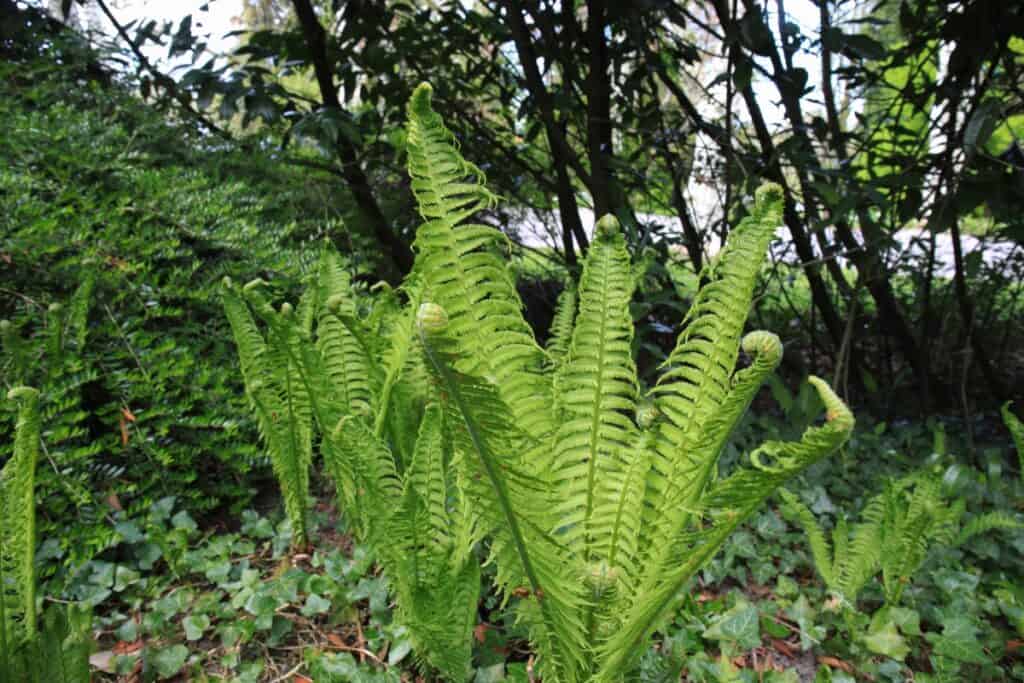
{"x":596,"y":500}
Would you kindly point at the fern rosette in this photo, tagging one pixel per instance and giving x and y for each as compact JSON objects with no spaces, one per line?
{"x":448,"y":429}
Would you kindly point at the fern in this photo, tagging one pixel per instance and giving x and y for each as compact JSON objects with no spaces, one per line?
{"x":279,"y":397}
{"x":595,"y":501}
{"x":59,"y":652}
{"x":17,"y":526}
{"x":1016,"y":428}
{"x":897,"y":529}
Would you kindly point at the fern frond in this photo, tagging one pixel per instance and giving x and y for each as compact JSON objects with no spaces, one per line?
{"x":596,"y":390}
{"x":513,"y":508}
{"x":1016,"y":428}
{"x":363,"y":469}
{"x":698,"y":398}
{"x":987,"y":522}
{"x":280,"y":396}
{"x":78,"y":311}
{"x":345,"y":359}
{"x":16,"y":350}
{"x":17,"y":526}
{"x":436,"y":574}
{"x":397,"y":359}
{"x":726,"y":505}
{"x":864,"y":550}
{"x":560,"y":335}
{"x":821,"y":550}
{"x":700,"y":366}
{"x":669,"y":498}
{"x":462,"y":272}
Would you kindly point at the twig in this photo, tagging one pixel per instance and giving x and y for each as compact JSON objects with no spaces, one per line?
{"x":288,"y":674}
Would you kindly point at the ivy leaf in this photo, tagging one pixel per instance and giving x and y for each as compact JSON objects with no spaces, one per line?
{"x":739,"y":624}
{"x":195,"y":625}
{"x":886,"y":640}
{"x":169,"y":661}
{"x":315,"y":605}
{"x":958,"y":641}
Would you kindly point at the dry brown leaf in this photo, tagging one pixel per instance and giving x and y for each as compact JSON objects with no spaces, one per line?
{"x":836,"y":663}
{"x":123,"y":647}
{"x":784,"y":647}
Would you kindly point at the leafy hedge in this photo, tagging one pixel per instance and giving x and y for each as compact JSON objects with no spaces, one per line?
{"x":116,"y":228}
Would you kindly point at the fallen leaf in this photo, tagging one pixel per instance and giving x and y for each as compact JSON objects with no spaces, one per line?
{"x":336,"y":640}
{"x":835,"y":663}
{"x":114,"y":502}
{"x":299,"y":678}
{"x":128,"y":414}
{"x":103,"y":661}
{"x":1014,"y":645}
{"x":125,"y":648}
{"x":480,"y":632}
{"x":784,"y":648}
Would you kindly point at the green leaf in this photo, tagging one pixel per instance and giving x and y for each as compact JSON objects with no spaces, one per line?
{"x":958,"y":641}
{"x":739,"y":625}
{"x":315,"y":605}
{"x":195,"y":625}
{"x":169,"y":661}
{"x":886,"y":640}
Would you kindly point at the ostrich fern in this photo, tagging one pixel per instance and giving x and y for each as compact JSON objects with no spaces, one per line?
{"x":596,"y":500}
{"x":897,"y":528}
{"x":59,"y":652}
{"x":1016,"y":428}
{"x":17,"y":527}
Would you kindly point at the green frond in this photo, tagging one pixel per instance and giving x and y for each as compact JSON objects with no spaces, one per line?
{"x":345,"y":359}
{"x":17,"y":527}
{"x":727,"y":504}
{"x":560,"y":335}
{"x":436,"y":575}
{"x":699,"y":369}
{"x":279,"y":394}
{"x":1016,"y":428}
{"x":397,"y":360}
{"x":512,"y":507}
{"x":698,"y":399}
{"x":17,"y":352}
{"x":462,"y":270}
{"x":669,"y":498}
{"x":988,"y":522}
{"x":821,"y":550}
{"x":363,"y":469}
{"x":54,"y":336}
{"x":863,"y":551}
{"x":596,"y":389}
{"x":78,"y":311}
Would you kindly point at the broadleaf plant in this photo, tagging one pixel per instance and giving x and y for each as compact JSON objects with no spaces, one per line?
{"x":596,"y":500}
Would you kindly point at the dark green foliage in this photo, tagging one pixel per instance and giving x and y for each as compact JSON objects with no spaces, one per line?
{"x":116,"y":229}
{"x":59,"y":651}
